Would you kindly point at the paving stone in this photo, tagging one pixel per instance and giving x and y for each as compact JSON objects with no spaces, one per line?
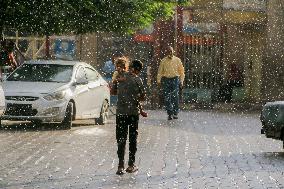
{"x":200,"y":150}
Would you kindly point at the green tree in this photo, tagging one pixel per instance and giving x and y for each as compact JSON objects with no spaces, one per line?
{"x":82,"y":16}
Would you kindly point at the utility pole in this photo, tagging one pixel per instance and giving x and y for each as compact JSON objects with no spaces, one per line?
{"x":47,"y":46}
{"x":179,"y":32}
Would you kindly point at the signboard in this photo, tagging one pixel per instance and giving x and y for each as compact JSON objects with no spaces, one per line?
{"x":245,"y":5}
{"x":64,"y":48}
{"x":190,"y":28}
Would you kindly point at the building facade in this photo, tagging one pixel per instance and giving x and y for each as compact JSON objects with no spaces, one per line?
{"x":216,"y":40}
{"x":225,"y":39}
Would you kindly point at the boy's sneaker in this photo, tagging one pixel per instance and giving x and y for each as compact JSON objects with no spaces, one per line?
{"x":175,"y":116}
{"x":170,"y":117}
{"x":120,"y":170}
{"x":131,"y":169}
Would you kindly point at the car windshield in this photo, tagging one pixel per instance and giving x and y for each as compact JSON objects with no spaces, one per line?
{"x":42,"y":73}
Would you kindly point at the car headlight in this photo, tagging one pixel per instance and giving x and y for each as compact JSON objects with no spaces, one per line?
{"x":55,"y":96}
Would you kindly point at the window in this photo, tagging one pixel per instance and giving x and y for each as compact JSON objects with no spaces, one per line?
{"x":42,"y":73}
{"x":81,"y":74}
{"x":92,"y":75}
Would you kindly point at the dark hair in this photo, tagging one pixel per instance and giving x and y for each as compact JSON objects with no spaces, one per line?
{"x":117,"y":54}
{"x":121,"y":62}
{"x":10,"y":46}
{"x":136,"y":65}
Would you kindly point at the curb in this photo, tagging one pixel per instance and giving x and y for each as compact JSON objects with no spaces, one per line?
{"x":225,"y":107}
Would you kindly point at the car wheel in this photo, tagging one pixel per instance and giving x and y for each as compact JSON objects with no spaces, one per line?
{"x":67,"y":121}
{"x":103,"y":115}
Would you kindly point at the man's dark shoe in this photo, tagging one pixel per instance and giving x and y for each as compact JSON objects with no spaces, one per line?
{"x":175,"y":116}
{"x":170,"y":117}
{"x":120,"y":171}
{"x":131,"y":169}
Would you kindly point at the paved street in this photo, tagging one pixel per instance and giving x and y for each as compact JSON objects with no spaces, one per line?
{"x":200,"y":150}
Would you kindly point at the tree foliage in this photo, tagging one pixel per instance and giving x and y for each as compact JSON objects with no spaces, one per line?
{"x":82,"y":16}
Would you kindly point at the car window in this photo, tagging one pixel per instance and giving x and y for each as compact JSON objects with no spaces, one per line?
{"x":92,"y":75}
{"x":80,"y":74}
{"x":42,"y":73}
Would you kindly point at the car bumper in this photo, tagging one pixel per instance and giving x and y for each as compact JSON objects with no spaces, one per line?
{"x":43,"y":111}
{"x":272,"y":132}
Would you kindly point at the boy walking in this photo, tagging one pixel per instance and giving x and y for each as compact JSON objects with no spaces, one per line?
{"x":130,"y":92}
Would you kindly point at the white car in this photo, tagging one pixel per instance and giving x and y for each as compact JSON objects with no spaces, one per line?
{"x":2,"y":101}
{"x":56,"y":91}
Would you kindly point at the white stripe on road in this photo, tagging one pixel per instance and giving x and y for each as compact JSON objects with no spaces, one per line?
{"x":91,"y":131}
{"x":39,"y":160}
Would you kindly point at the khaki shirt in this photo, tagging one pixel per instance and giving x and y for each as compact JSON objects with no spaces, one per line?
{"x":169,"y":68}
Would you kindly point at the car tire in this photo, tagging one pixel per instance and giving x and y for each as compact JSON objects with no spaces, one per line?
{"x":67,"y":121}
{"x":103,"y":114}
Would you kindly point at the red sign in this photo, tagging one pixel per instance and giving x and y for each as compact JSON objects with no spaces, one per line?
{"x":143,"y":37}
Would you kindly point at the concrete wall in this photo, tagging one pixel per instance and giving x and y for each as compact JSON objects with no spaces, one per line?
{"x":253,"y":60}
{"x":86,"y":48}
{"x":244,"y":46}
{"x":260,"y":47}
{"x":233,"y":48}
{"x":273,"y":67}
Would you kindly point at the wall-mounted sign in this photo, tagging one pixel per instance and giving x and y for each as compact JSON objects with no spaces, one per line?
{"x":246,"y":5}
{"x":190,"y":27}
{"x":64,"y":48}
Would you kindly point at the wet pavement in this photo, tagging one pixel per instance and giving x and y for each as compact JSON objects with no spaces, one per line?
{"x":202,"y":149}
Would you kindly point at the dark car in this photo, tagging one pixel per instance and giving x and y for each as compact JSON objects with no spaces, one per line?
{"x":272,"y":119}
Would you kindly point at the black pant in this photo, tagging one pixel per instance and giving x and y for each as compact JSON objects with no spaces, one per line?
{"x":123,"y":122}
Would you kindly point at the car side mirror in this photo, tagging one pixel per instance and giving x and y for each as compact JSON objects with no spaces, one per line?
{"x":81,"y":81}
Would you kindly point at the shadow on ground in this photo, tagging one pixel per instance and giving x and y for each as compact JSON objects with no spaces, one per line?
{"x":31,"y":127}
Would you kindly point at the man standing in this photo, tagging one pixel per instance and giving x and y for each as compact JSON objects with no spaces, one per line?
{"x":130,"y":91}
{"x":170,"y":77}
{"x":7,"y":58}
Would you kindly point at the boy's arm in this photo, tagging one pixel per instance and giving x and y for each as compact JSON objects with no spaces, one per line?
{"x":114,"y":76}
{"x":142,"y":96}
